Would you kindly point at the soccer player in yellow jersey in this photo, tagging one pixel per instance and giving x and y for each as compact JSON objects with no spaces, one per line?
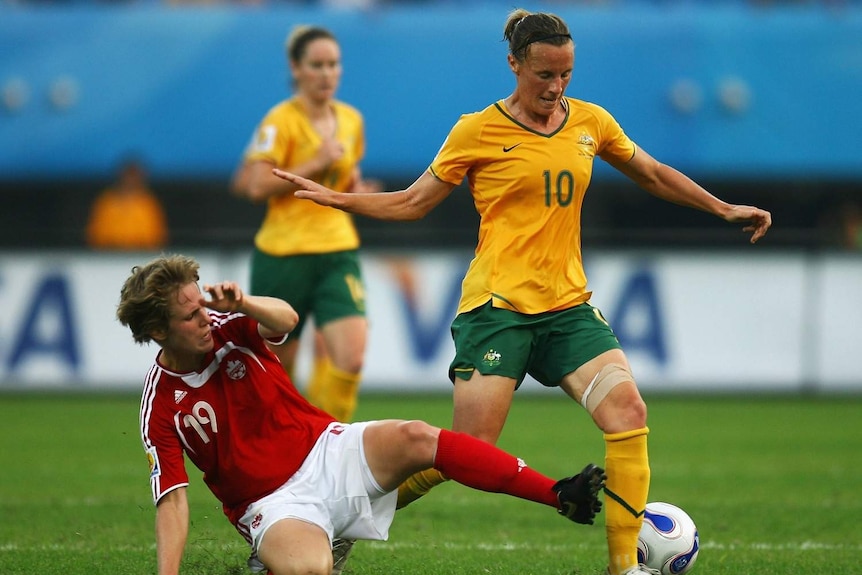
{"x":525,"y":305}
{"x":320,"y":360}
{"x":304,"y":253}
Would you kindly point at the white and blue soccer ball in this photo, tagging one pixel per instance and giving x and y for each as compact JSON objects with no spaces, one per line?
{"x":668,"y":539}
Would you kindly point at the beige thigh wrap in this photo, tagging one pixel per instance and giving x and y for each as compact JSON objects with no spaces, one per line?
{"x":608,"y":377}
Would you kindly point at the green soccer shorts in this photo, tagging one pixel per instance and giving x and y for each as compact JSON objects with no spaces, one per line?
{"x":325,"y":286}
{"x":546,"y":345}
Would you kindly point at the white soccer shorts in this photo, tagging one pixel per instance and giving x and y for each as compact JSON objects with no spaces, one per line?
{"x":334,"y":489}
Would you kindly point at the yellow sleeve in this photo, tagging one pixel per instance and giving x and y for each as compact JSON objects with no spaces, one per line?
{"x":456,"y":155}
{"x":614,"y":145}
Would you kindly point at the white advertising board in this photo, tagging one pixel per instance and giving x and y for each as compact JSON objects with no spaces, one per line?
{"x":713,"y":321}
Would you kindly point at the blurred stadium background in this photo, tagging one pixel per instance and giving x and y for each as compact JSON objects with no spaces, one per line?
{"x":759,"y":101}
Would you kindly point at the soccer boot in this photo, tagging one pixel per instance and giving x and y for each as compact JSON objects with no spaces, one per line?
{"x":341,"y":549}
{"x":638,"y":570}
{"x":579,"y":495}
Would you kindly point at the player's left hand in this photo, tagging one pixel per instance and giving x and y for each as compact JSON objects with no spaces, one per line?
{"x":758,"y":220}
{"x":309,"y":189}
{"x":224,"y":296}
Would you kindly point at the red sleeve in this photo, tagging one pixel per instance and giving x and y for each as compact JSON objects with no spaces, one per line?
{"x":161,"y":443}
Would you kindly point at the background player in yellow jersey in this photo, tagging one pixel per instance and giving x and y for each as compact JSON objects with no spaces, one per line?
{"x":307,"y":254}
{"x":320,"y":358}
{"x":525,"y":307}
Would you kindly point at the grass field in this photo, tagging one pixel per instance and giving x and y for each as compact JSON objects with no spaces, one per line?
{"x":774,"y":484}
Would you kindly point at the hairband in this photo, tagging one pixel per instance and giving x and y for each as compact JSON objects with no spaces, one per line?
{"x":540,"y":39}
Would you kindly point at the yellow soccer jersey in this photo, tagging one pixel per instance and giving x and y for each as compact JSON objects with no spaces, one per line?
{"x":528,"y":189}
{"x":292,"y":226}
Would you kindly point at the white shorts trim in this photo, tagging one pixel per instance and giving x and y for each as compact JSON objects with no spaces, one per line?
{"x":334,"y":489}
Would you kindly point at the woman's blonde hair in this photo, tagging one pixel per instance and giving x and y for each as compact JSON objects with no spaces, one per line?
{"x":147,"y":293}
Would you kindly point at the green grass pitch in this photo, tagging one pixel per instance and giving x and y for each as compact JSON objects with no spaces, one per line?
{"x":773,"y":482}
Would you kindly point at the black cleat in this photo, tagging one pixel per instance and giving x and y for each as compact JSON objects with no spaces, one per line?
{"x":579,"y":495}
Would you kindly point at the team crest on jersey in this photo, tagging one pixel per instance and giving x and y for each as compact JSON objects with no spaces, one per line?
{"x":179,"y":394}
{"x":586,"y":146}
{"x":236,"y":369}
{"x":153,"y":460}
{"x":492,"y":358}
{"x":255,"y":523}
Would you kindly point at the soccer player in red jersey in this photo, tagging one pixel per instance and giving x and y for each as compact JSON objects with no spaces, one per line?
{"x":289,"y":476}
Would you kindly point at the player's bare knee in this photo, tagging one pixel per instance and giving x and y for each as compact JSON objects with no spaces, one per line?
{"x":631,"y":408}
{"x":418,"y":436}
{"x":355,"y":361}
{"x":418,"y":445}
{"x":349,"y":362}
{"x":622,"y":410}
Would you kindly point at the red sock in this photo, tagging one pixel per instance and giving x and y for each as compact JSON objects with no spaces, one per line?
{"x":480,"y":465}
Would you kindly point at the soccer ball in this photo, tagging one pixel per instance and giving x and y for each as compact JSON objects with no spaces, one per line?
{"x":668,"y":540}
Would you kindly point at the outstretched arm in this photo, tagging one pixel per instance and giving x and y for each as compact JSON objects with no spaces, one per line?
{"x":673,"y":186}
{"x":172,"y":529}
{"x":418,"y":199}
{"x":275,"y":316}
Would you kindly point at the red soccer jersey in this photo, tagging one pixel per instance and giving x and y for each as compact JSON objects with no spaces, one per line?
{"x":240,"y":420}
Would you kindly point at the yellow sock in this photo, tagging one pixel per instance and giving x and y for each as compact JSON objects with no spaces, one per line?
{"x":418,"y":485}
{"x":341,"y":391}
{"x":626,"y":491}
{"x":315,"y":392}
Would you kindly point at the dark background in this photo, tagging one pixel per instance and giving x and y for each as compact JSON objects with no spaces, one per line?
{"x":50,"y":214}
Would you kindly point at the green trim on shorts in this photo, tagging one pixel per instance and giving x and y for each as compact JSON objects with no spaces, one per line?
{"x":326,"y":287}
{"x":546,"y":346}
